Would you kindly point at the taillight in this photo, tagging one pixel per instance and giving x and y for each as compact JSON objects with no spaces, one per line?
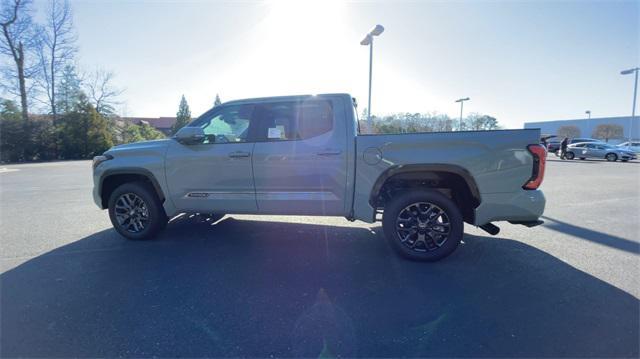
{"x":539,"y":154}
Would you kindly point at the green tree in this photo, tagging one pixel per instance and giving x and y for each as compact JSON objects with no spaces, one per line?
{"x":149,"y":132}
{"x":43,"y":140}
{"x":39,"y":134}
{"x":131,"y":133}
{"x":69,"y":89}
{"x":183,"y":117}
{"x":83,"y":132}
{"x":217,"y":101}
{"x":142,"y":132}
{"x":11,"y":132}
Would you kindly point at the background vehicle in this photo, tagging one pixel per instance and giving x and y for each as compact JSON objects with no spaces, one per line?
{"x":302,"y":155}
{"x":599,"y":150}
{"x":554,"y":144}
{"x":630,"y":146}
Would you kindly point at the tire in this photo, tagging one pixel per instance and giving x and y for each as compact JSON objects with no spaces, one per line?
{"x":611,"y":157}
{"x":569,"y":155}
{"x":142,"y":199}
{"x":582,"y":158}
{"x":425,"y":247}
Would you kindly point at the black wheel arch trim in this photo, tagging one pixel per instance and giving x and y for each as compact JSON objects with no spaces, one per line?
{"x":436,"y":167}
{"x":133,"y":171}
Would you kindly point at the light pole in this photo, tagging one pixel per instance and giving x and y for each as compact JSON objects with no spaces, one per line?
{"x":635,"y":93}
{"x":368,"y":40}
{"x":588,"y":112}
{"x":462,"y":100}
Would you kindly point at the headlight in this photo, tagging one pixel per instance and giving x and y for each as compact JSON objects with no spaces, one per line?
{"x":97,"y":160}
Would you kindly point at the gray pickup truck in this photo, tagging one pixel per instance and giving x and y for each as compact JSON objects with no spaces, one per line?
{"x":303,"y":155}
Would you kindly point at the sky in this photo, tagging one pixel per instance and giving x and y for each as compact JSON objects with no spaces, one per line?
{"x":517,"y":60}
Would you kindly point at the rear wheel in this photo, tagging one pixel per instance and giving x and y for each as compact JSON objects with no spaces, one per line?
{"x":611,"y":157}
{"x":569,"y":155}
{"x":135,"y":211}
{"x":423,"y":225}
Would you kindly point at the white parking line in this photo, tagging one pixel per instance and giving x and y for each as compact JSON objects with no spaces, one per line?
{"x":5,"y":170}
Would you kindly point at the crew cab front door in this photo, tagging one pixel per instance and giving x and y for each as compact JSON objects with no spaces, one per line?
{"x":300,"y":159}
{"x":215,"y":175}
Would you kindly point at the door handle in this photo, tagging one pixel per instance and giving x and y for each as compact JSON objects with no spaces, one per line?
{"x":239,"y":154}
{"x":329,"y":152}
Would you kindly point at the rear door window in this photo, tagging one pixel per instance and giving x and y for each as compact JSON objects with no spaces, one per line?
{"x":294,"y":120}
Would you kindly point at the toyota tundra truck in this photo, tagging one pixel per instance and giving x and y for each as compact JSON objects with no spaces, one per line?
{"x":304,"y":155}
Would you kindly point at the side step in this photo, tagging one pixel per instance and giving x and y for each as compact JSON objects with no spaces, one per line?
{"x":528,"y":223}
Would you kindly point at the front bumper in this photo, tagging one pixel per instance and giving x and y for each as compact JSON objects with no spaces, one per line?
{"x":97,"y":186}
{"x":521,"y":206}
{"x":97,"y":199}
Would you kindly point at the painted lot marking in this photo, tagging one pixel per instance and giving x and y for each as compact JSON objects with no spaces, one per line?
{"x":5,"y":170}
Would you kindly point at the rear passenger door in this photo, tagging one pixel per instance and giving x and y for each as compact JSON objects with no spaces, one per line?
{"x":590,"y":150}
{"x":299,"y":159}
{"x":597,"y":151}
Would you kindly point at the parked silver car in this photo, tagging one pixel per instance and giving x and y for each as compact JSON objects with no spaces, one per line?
{"x":633,"y":146}
{"x":606,"y":151}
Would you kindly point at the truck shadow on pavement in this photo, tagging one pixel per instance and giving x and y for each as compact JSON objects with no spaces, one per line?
{"x":252,"y":288}
{"x":591,"y":235}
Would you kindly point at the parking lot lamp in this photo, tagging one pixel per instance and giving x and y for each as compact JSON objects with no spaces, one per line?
{"x":635,"y":94}
{"x":462,"y":100}
{"x":588,"y":112}
{"x":368,"y":40}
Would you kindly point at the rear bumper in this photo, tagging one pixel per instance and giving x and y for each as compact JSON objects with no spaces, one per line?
{"x":521,"y":206}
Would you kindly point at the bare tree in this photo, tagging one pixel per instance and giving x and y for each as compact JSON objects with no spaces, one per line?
{"x":57,"y":46}
{"x":102,"y":92}
{"x":17,"y":41}
{"x":569,"y":131}
{"x":608,"y":131}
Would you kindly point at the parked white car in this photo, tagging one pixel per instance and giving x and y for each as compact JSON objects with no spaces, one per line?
{"x":605,"y":151}
{"x":632,"y":146}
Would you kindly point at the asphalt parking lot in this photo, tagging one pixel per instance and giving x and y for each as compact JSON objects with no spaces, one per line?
{"x":300,"y":286}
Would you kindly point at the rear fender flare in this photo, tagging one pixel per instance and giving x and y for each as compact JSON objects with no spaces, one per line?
{"x":448,"y":168}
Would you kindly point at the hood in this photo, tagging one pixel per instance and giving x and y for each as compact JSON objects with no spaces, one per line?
{"x":139,"y":146}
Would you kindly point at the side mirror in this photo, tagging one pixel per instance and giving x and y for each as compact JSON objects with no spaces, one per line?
{"x":190,"y":135}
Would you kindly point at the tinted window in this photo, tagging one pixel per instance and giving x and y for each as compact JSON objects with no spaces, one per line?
{"x":579,"y":145}
{"x":229,"y":124}
{"x":286,"y":121}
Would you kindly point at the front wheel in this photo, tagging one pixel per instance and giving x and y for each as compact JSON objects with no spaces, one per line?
{"x":423,"y":225}
{"x":569,"y":155}
{"x":611,"y":157}
{"x":135,"y":211}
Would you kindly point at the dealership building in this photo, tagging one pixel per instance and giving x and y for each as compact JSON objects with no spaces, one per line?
{"x":587,"y":126}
